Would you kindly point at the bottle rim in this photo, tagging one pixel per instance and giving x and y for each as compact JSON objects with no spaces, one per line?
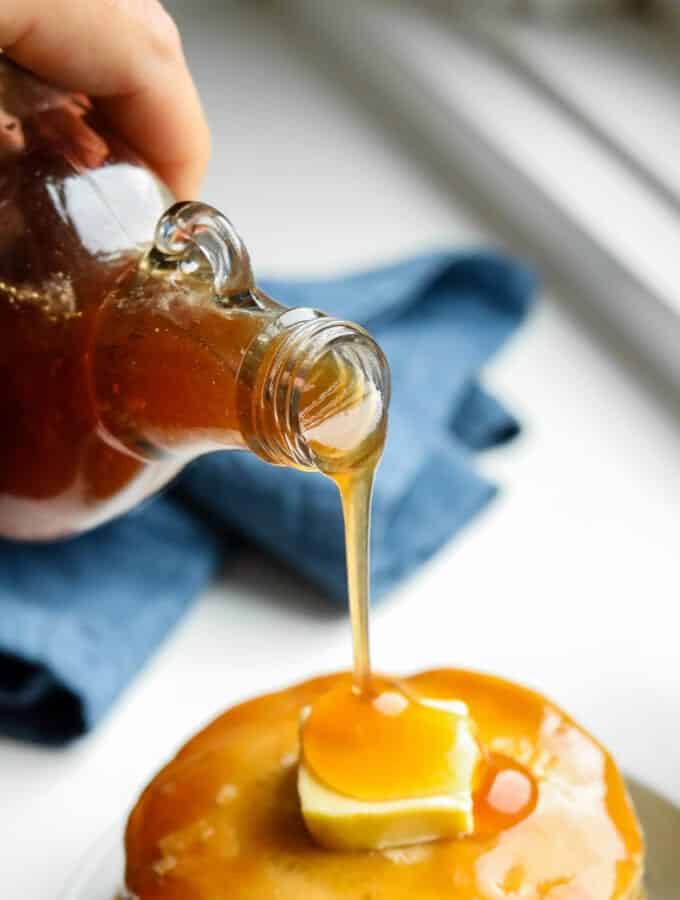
{"x":300,"y":338}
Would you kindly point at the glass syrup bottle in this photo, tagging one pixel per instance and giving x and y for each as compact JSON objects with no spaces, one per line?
{"x":133,"y":337}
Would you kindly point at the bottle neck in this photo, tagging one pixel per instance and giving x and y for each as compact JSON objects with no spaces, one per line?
{"x":190,"y":356}
{"x":175,"y":374}
{"x":313,"y":393}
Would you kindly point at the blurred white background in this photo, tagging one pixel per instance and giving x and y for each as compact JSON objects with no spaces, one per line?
{"x":569,"y":581}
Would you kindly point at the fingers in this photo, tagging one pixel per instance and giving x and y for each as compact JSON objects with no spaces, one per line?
{"x":128,"y":55}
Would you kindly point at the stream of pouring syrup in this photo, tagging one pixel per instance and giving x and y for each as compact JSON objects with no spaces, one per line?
{"x":343,"y":417}
{"x":356,"y":489}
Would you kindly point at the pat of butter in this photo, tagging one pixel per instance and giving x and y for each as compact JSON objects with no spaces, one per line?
{"x":340,"y":822}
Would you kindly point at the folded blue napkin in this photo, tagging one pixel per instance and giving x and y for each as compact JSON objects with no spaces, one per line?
{"x":79,"y":618}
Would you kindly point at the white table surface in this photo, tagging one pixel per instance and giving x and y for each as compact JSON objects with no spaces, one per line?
{"x":568,"y":582}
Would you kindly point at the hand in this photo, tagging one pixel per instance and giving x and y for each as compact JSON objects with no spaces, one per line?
{"x":127,"y":55}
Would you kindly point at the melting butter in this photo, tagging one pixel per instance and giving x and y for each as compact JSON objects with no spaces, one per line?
{"x":395,"y":771}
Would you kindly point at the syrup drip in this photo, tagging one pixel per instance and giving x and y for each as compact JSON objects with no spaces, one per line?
{"x":506,"y":793}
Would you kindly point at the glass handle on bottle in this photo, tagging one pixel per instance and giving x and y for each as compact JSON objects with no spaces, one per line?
{"x":190,"y":226}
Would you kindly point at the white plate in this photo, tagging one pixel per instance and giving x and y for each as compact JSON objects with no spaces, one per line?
{"x":99,"y":875}
{"x":100,"y":872}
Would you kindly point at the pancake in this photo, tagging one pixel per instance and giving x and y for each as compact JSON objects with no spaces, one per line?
{"x":222,"y":821}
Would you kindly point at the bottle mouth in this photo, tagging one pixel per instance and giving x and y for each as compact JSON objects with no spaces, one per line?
{"x":321,"y":395}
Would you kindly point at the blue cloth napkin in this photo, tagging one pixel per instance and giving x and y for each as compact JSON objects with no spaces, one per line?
{"x":79,"y":618}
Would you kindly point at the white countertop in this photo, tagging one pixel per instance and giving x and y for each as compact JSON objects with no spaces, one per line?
{"x":568,"y":582}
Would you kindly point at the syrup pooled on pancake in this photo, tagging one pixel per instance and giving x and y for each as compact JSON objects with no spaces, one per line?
{"x":553,"y":820}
